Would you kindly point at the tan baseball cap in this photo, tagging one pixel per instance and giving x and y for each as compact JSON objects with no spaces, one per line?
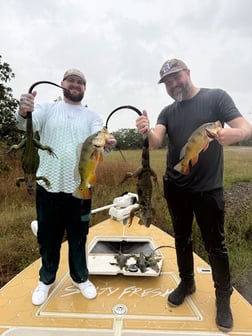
{"x":74,"y":72}
{"x":171,"y":66}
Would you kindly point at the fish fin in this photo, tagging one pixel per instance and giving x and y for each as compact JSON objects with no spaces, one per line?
{"x":181,"y":168}
{"x":206,"y":145}
{"x":91,"y":181}
{"x":186,"y":170}
{"x":195,"y":160}
{"x":101,"y":158}
{"x":182,"y":152}
{"x":94,"y":154}
{"x":178,"y":167}
{"x":97,"y":156}
{"x":82,"y":194}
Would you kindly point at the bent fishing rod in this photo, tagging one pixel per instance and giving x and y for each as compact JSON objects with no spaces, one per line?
{"x":28,"y":116}
{"x":117,"y":109}
{"x":120,"y":108}
{"x":45,"y":82}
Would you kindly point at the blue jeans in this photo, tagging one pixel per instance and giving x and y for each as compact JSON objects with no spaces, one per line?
{"x":58,"y":213}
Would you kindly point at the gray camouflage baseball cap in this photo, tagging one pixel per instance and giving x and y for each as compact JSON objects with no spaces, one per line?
{"x":171,"y":66}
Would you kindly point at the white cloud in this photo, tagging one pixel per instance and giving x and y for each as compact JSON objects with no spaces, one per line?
{"x":121,"y":45}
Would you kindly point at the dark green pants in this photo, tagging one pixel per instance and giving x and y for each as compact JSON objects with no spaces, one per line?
{"x":58,"y":213}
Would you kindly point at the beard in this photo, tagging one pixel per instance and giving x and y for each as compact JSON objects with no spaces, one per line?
{"x":177,"y":96}
{"x":183,"y":94}
{"x":73,"y":98}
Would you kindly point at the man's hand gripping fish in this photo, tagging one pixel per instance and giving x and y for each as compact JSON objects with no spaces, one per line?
{"x":90,"y":156}
{"x":198,"y":142}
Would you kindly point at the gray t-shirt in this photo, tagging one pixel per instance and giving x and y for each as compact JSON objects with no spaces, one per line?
{"x":181,"y":119}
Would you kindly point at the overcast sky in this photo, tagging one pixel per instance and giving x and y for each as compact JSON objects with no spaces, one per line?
{"x":120,"y":45}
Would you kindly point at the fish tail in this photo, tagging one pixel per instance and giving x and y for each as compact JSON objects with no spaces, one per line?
{"x":182,"y":168}
{"x":82,"y":193}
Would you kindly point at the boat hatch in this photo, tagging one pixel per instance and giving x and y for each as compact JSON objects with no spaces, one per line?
{"x":130,"y":256}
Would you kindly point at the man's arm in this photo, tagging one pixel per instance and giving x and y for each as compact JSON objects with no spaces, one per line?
{"x":240,"y":129}
{"x":155,"y":135}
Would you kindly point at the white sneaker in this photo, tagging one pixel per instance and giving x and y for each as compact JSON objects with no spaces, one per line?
{"x":40,"y":293}
{"x":34,"y":227}
{"x":87,"y":289}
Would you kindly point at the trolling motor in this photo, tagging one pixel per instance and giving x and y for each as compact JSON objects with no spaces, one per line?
{"x":122,"y":207}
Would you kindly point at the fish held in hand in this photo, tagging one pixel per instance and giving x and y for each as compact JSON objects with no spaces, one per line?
{"x":90,"y":156}
{"x":198,"y":142}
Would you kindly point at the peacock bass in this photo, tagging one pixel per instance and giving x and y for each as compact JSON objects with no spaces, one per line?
{"x":198,"y":142}
{"x":90,"y":156}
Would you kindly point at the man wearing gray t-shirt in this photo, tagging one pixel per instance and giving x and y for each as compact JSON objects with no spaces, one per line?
{"x":193,"y":181}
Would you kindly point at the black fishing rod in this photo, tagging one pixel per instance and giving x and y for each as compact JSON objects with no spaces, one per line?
{"x":117,"y":109}
{"x":28,"y":116}
{"x":45,"y":82}
{"x":120,"y":108}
